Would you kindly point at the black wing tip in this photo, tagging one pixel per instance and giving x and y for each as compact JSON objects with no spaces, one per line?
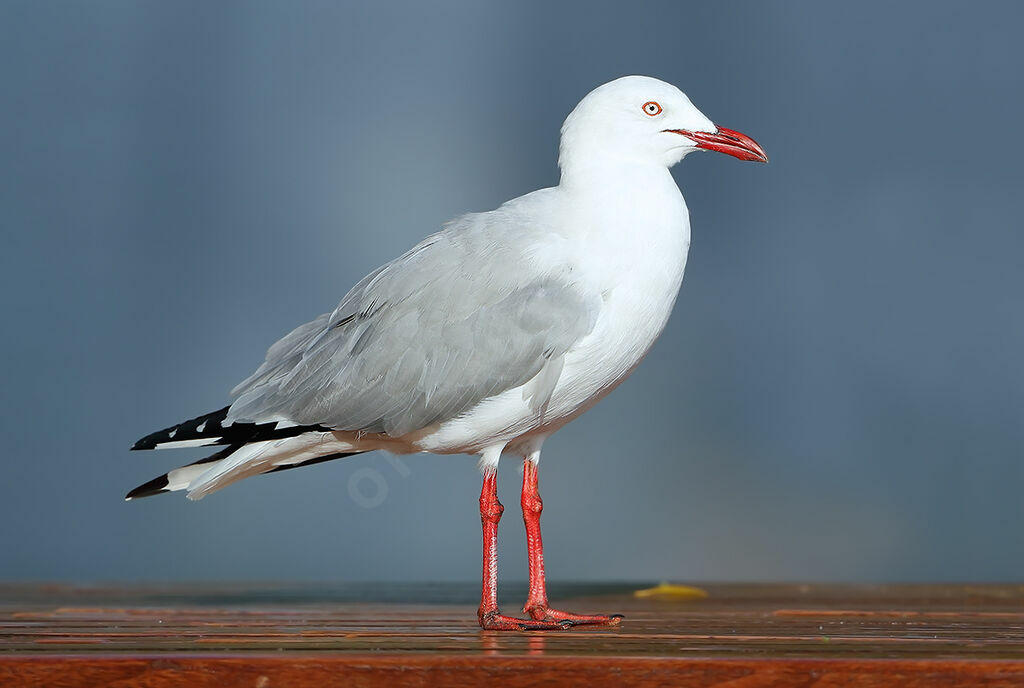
{"x":214,"y":429}
{"x":189,"y":430}
{"x":153,"y":487}
{"x":147,"y":442}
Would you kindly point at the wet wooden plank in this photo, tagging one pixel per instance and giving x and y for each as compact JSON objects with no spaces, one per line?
{"x":740,"y":635}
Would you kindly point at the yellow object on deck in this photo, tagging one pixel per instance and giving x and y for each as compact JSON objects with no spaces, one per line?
{"x":668,"y":591}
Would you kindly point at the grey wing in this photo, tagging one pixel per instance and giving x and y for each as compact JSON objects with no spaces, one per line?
{"x":421,"y":340}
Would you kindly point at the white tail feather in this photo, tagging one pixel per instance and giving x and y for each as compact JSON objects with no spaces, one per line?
{"x":256,"y":458}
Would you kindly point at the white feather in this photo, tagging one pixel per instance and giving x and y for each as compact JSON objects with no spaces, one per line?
{"x":182,"y":444}
{"x":260,"y":457}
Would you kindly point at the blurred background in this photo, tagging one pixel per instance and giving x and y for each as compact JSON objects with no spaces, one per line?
{"x":839,"y":394}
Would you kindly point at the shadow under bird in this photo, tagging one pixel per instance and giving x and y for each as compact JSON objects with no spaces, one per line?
{"x":488,"y":336}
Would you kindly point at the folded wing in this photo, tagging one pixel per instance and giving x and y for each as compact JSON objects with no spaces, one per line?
{"x":459,"y":318}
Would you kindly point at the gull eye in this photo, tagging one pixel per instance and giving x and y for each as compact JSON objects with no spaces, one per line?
{"x":651,"y":108}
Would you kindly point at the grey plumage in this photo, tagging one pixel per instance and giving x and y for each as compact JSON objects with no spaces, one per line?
{"x":453,"y":321}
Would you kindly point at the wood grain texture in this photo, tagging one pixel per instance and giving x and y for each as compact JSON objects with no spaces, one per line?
{"x":741,"y":635}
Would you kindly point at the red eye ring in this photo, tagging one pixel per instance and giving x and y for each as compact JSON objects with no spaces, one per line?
{"x":651,"y":108}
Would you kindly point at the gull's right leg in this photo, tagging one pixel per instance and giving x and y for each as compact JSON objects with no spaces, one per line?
{"x":537,"y":602}
{"x":490,"y":618}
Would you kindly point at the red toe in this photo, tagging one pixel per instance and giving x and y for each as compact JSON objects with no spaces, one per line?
{"x":493,"y":621}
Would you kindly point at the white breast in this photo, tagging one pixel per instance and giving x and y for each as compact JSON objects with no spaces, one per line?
{"x":634,"y":254}
{"x":643,"y":273}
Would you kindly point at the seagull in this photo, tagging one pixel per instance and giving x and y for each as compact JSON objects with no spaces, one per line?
{"x":488,"y":336}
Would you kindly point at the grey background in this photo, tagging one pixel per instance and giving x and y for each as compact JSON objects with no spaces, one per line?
{"x":838,"y":395}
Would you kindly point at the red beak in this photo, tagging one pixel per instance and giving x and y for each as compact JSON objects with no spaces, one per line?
{"x":726,"y":141}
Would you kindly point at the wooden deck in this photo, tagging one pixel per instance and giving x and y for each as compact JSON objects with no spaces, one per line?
{"x":740,"y":636}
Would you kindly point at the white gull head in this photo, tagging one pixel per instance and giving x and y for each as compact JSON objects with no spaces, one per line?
{"x":638,"y":120}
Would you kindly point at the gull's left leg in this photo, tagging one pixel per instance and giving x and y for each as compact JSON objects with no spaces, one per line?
{"x":537,"y":601}
{"x":490,"y":513}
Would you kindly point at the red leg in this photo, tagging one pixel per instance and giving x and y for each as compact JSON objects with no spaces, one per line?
{"x":490,"y":618}
{"x":537,"y":601}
